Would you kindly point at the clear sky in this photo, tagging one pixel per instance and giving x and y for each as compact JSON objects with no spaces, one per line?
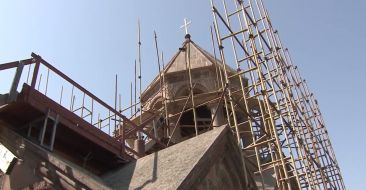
{"x":93,"y":40}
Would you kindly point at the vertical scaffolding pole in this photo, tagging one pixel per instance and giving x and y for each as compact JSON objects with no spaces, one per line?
{"x":140,"y":86}
{"x":191,"y":89}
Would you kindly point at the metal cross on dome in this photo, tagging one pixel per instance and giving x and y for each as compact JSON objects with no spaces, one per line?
{"x":186,"y":24}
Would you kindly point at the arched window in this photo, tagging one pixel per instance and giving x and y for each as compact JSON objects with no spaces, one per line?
{"x":203,"y":116}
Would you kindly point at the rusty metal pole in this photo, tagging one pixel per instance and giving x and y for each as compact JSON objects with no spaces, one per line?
{"x":139,"y":144}
{"x":13,"y":89}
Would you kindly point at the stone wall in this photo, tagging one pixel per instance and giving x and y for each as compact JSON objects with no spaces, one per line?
{"x":40,"y":169}
{"x":209,"y":161}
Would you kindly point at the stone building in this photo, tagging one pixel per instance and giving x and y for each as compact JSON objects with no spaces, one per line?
{"x":182,"y":109}
{"x":198,"y":72}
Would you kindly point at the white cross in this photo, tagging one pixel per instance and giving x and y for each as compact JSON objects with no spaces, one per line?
{"x":185,"y":26}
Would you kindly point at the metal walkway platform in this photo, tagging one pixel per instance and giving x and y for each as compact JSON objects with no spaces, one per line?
{"x":79,"y":133}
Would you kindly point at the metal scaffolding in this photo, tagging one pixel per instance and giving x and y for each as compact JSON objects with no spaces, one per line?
{"x":288,"y":135}
{"x":266,"y":103}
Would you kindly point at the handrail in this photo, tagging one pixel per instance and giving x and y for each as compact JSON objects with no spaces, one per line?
{"x":68,"y":79}
{"x":38,"y":61}
{"x":14,"y":64}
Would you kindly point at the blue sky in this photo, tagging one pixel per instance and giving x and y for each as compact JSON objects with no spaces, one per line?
{"x":92,"y":40}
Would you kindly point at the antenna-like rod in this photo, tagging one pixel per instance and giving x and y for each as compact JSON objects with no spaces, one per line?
{"x":158,"y":57}
{"x":161,"y":76}
{"x":115,"y":101}
{"x":157,"y":51}
{"x":131,"y":101}
{"x":139,"y":59}
{"x":135,"y":109}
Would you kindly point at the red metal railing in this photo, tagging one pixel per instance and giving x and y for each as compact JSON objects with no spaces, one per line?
{"x":92,"y":109}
